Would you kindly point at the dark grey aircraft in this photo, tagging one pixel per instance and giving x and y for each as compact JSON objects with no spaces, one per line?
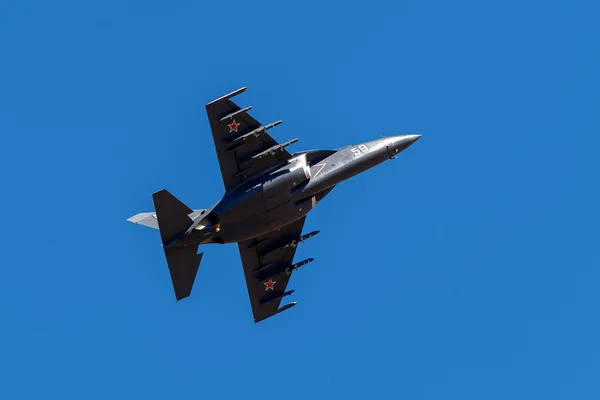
{"x":268,"y":193}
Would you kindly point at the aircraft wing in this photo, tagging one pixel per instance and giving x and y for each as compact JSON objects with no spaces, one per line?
{"x":267,"y":262}
{"x":243,"y":146}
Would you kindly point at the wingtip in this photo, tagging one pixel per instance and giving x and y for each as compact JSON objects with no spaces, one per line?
{"x":229,"y":95}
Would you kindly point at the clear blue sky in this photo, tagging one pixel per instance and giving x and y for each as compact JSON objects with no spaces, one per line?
{"x":466,"y":269}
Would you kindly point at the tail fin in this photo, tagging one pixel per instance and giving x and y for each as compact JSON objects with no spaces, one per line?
{"x":172,"y":215}
{"x":183,"y":266}
{"x":173,"y":220}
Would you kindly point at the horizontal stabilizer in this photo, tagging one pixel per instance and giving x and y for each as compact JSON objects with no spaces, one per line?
{"x":146,"y":218}
{"x":149,"y":218}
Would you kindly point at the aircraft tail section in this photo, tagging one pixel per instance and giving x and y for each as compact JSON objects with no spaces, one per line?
{"x":149,"y":218}
{"x":172,"y":215}
{"x":183,"y":266}
{"x":173,"y":220}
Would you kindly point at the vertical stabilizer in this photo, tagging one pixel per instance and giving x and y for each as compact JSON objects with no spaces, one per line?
{"x":173,"y":220}
{"x":183,"y":266}
{"x":172,"y":215}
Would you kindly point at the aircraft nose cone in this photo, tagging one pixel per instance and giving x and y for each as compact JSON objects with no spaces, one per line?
{"x":399,"y":143}
{"x":412,"y":138}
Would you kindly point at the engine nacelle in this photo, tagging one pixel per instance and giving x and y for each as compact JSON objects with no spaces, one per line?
{"x":264,"y":193}
{"x":278,"y":189}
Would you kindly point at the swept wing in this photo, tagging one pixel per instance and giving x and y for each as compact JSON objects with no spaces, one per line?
{"x":268,"y":265}
{"x":244,"y":148}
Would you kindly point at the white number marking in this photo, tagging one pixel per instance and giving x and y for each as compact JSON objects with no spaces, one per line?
{"x":360,"y":149}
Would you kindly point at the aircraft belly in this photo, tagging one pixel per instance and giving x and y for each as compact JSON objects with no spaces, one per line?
{"x":289,"y":212}
{"x":249,"y":228}
{"x":271,"y":202}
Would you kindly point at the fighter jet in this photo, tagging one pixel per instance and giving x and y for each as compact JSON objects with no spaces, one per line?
{"x":268,"y":193}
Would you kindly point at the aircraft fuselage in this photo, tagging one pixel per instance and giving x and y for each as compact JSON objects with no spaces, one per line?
{"x":288,"y":192}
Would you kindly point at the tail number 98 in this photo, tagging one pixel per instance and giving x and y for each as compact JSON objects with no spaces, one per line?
{"x":360,"y":149}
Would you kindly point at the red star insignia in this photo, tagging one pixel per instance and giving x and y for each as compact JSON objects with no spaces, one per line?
{"x":269,"y":285}
{"x":233,"y":126}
